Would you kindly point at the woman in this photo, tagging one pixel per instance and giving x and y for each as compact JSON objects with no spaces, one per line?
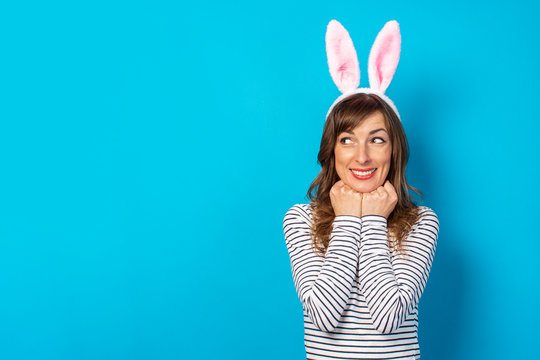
{"x":361,"y":251}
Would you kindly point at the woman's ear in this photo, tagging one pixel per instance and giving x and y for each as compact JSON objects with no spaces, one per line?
{"x":342,"y":59}
{"x":384,"y":56}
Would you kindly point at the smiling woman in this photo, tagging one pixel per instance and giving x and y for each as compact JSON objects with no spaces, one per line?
{"x":363,"y":144}
{"x":362,"y":250}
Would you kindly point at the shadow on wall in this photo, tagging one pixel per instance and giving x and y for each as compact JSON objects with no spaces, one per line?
{"x":442,"y":304}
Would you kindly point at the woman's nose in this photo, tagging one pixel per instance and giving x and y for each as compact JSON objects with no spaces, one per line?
{"x":362,"y":155}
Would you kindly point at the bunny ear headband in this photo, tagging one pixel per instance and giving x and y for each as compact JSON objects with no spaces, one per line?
{"x":343,"y":62}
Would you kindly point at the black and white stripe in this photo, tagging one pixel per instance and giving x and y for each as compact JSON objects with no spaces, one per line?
{"x":361,"y":299}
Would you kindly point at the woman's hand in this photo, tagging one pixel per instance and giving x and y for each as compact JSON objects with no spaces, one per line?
{"x":345,"y":200}
{"x":380,"y":201}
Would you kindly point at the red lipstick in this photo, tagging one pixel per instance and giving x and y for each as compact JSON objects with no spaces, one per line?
{"x":363,"y":177}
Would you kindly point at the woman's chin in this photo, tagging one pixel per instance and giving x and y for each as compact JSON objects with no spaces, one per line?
{"x":363,"y":186}
{"x":364,"y":190}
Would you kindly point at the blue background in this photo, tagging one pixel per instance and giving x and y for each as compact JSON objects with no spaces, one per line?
{"x":150,"y":149}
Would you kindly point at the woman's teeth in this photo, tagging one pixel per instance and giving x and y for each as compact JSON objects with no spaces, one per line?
{"x":363,"y":173}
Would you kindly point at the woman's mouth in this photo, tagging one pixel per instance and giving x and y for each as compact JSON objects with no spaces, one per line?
{"x":363,"y":174}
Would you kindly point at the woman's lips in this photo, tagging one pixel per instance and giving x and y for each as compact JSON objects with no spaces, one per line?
{"x":363,"y":174}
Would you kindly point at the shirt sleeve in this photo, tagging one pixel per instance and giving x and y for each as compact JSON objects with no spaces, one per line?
{"x":323,"y":284}
{"x":392,"y":285}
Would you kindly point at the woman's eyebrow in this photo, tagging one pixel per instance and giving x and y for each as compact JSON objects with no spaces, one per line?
{"x":370,"y":133}
{"x":374,"y":131}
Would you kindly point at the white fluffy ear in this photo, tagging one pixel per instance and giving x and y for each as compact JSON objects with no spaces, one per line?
{"x":384,"y":56}
{"x":342,"y":59}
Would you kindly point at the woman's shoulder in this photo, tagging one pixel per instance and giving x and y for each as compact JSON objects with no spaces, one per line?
{"x":296,"y":226}
{"x":299,"y":211}
{"x":427,"y":214}
{"x":427,"y":219}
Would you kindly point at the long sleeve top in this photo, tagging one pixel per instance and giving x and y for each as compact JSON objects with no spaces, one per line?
{"x":360,"y":300}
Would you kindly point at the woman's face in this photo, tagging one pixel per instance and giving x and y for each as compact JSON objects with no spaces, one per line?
{"x":363,"y":155}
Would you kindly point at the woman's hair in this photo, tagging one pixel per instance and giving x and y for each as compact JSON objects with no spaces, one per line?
{"x":347,"y":115}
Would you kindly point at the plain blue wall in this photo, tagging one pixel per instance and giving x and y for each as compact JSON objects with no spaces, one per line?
{"x":149,"y":151}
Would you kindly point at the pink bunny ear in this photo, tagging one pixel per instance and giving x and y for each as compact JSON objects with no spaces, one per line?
{"x":384,"y":56}
{"x":342,"y":59}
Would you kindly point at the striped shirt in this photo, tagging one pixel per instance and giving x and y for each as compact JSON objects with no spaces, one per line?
{"x":360,"y":300}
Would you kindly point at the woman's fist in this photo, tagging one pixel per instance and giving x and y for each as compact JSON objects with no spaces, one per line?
{"x":380,"y":201}
{"x":345,"y":200}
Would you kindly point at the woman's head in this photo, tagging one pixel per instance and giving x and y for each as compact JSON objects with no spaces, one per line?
{"x":363,"y":144}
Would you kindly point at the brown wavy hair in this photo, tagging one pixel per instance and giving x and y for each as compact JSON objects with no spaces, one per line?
{"x":347,"y":115}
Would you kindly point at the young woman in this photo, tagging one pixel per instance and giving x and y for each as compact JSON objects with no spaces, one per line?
{"x":362,"y":250}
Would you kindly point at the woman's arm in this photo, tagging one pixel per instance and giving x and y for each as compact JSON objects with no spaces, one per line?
{"x":323,"y":284}
{"x":392,"y":286}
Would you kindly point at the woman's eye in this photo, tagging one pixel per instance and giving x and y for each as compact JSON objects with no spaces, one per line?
{"x":345,"y":140}
{"x":378,"y":140}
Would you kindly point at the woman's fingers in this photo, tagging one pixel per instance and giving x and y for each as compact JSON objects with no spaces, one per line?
{"x":391,"y":190}
{"x":380,"y":201}
{"x":345,"y":200}
{"x":336,"y":187}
